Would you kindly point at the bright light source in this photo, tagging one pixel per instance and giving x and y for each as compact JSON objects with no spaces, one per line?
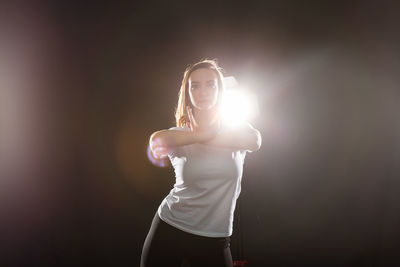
{"x":235,"y":108}
{"x":238,"y":105}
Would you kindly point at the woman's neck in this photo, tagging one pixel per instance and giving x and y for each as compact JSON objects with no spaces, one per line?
{"x":204,"y":117}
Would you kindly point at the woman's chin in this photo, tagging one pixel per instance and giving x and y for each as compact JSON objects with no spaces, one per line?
{"x":205,"y":106}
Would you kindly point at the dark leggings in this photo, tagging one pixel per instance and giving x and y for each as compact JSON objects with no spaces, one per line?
{"x":166,"y":245}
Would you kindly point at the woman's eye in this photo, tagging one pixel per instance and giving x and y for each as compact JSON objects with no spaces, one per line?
{"x":195,"y":86}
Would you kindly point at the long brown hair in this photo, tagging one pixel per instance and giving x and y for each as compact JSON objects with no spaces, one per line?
{"x":184,"y":100}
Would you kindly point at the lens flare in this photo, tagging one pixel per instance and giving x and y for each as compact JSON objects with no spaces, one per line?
{"x":157,"y":154}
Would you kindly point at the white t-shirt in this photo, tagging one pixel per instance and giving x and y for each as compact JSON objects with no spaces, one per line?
{"x":208,"y":183}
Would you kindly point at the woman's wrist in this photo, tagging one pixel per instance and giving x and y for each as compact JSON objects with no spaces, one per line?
{"x":206,"y":135}
{"x":199,"y":136}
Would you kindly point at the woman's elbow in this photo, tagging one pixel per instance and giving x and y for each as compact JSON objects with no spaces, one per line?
{"x":253,"y":138}
{"x":254,"y":143}
{"x":157,"y":139}
{"x":257,"y":140}
{"x":158,"y":146}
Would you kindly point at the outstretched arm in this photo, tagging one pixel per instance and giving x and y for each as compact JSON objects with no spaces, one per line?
{"x":162,"y":142}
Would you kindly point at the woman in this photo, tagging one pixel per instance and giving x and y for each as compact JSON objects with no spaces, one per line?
{"x":194,"y":222}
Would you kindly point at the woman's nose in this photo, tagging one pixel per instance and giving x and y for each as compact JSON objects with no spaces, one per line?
{"x":204,"y":90}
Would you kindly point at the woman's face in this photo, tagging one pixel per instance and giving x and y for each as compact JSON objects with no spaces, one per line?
{"x":203,"y":88}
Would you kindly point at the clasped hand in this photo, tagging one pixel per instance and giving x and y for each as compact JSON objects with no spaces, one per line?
{"x":205,"y":133}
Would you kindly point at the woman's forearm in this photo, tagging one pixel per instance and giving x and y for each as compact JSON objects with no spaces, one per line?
{"x":174,"y":138}
{"x":244,"y":138}
{"x":168,"y":139}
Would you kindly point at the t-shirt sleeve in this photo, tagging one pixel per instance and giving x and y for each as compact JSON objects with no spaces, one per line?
{"x":244,"y":151}
{"x":243,"y":154}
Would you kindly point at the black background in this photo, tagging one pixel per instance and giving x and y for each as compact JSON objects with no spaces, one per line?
{"x":84,"y":84}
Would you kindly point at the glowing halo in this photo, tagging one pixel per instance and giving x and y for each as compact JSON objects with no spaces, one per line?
{"x":157,"y":155}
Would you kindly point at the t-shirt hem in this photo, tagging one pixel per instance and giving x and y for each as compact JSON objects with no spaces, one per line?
{"x":190,"y":231}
